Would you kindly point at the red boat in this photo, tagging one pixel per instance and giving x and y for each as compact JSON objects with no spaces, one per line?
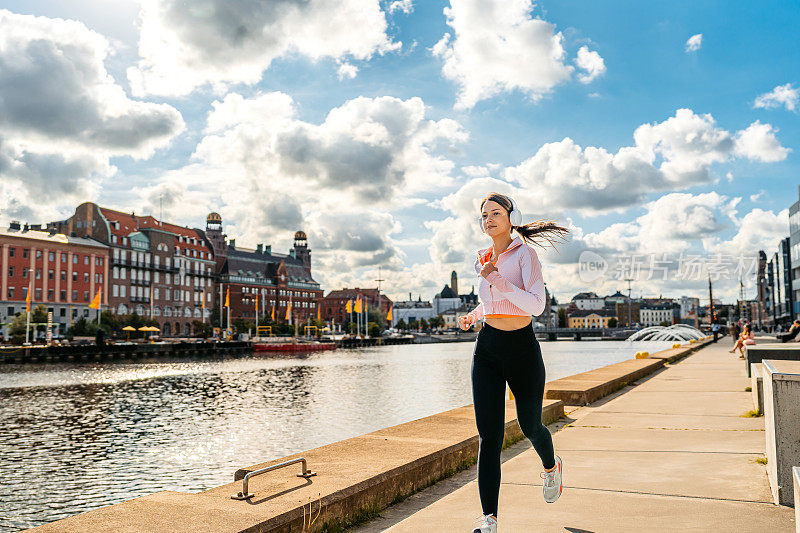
{"x":292,"y":346}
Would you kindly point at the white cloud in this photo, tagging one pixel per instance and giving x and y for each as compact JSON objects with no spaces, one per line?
{"x":406,"y":6}
{"x":758,"y":142}
{"x":694,"y":42}
{"x":185,"y":45}
{"x":673,"y":154}
{"x":782,"y":95}
{"x":497,"y":47}
{"x":346,"y":70}
{"x":591,"y":62}
{"x":62,"y":116}
{"x":335,"y":179}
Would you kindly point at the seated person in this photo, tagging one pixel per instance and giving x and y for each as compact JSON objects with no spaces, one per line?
{"x":792,"y":333}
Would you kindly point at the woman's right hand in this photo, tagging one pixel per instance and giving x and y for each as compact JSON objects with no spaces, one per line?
{"x":465,"y":322}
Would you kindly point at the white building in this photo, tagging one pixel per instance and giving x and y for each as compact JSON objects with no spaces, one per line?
{"x":655,"y":315}
{"x":588,"y":300}
{"x":689,"y":305}
{"x":411,"y":310}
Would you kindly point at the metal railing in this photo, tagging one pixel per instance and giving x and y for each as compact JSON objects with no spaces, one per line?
{"x":243,"y":494}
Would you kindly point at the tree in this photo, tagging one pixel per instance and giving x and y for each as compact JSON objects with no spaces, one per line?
{"x":401,"y":325}
{"x":612,"y":322}
{"x":562,"y":318}
{"x":200,"y":329}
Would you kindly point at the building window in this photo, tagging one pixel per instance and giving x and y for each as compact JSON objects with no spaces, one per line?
{"x":11,"y":272}
{"x":38,"y":273}
{"x":11,"y":251}
{"x":63,"y":258}
{"x":63,"y":296}
{"x":63,"y":275}
{"x":85,"y":296}
{"x":74,"y":295}
{"x":24,"y":272}
{"x":85,"y":259}
{"x":51,"y":274}
{"x":51,"y":294}
{"x":25,"y":252}
{"x":86,"y":277}
{"x":11,"y":293}
{"x":38,"y":254}
{"x":75,"y":259}
{"x":51,"y":256}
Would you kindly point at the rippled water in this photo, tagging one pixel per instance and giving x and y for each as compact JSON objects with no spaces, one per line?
{"x":79,"y":436}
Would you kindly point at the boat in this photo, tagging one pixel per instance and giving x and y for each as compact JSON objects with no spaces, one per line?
{"x":293,"y":346}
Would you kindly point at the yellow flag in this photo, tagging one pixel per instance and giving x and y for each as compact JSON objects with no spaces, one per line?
{"x":28,"y":299}
{"x":389,"y":315}
{"x":96,"y":301}
{"x":273,"y":312}
{"x":288,"y":310}
{"x":358,"y":305}
{"x":256,"y":301}
{"x":349,"y":306}
{"x":228,"y":297}
{"x":317,"y":310}
{"x":202,"y":300}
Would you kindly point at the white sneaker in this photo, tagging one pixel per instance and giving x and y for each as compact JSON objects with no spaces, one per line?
{"x":552,"y":486}
{"x":489,"y":524}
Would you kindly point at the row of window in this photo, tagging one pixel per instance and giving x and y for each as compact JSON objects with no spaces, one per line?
{"x":51,"y":295}
{"x":98,"y":277}
{"x":268,"y":303}
{"x":144,"y":275}
{"x":12,"y":252}
{"x":282,"y":292}
{"x":177,"y":295}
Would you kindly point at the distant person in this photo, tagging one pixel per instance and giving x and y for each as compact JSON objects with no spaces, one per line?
{"x":735,"y":333}
{"x":100,"y":337}
{"x":715,"y":331}
{"x":792,"y":333}
{"x":511,"y":290}
{"x":746,"y":338}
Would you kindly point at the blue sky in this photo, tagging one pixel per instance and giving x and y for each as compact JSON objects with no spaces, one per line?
{"x":412,"y":214}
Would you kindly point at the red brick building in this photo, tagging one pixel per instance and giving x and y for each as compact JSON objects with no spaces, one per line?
{"x":66,"y":272}
{"x":334,"y":304}
{"x":157,"y":269}
{"x":275,"y":278}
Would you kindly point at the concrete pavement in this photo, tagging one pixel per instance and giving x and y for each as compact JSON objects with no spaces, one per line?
{"x":670,"y":452}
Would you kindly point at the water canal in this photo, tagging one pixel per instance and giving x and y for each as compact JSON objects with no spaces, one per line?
{"x":80,"y":436}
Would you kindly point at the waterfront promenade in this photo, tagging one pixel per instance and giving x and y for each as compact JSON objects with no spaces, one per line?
{"x":669,"y":452}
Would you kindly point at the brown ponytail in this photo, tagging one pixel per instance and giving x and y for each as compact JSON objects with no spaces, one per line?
{"x":547,"y":229}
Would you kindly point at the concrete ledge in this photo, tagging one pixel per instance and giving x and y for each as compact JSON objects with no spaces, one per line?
{"x":355,"y":477}
{"x":584,"y":388}
{"x":755,"y":353}
{"x":757,"y":386}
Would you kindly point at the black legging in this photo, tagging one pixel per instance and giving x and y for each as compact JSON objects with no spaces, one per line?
{"x":512,"y":356}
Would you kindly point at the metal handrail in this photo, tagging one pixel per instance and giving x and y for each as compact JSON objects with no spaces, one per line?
{"x":243,"y":494}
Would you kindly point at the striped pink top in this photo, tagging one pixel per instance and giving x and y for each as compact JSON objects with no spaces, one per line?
{"x":516,"y":287}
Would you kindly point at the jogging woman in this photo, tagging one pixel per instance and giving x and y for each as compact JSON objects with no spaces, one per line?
{"x":511,"y":290}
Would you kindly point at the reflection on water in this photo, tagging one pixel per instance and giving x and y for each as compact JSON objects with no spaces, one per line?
{"x":79,"y":436}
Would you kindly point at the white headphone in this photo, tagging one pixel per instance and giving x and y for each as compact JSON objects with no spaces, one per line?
{"x":515,"y":216}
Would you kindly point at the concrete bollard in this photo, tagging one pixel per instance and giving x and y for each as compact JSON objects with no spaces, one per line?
{"x":757,"y":386}
{"x":642,"y":355}
{"x":781,"y":384}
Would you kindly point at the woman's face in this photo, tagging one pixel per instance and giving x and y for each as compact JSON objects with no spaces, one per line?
{"x":494,"y":219}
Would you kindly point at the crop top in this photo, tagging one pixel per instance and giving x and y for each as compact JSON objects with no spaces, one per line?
{"x":516,"y":288}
